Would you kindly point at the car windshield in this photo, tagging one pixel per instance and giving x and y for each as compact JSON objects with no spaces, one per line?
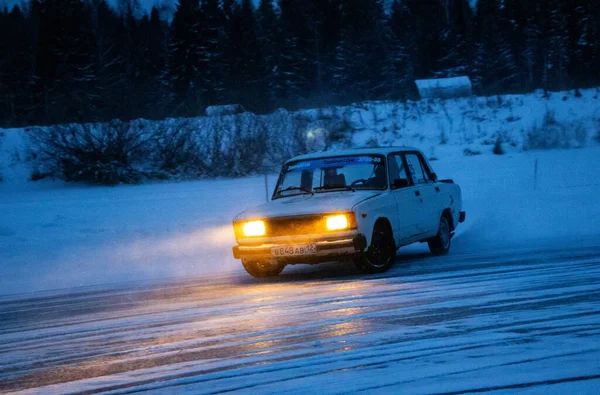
{"x":332,"y":174}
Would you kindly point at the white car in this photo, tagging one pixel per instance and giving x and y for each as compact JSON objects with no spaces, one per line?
{"x":357,"y":205}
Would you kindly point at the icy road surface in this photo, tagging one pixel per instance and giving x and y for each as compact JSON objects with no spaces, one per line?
{"x":517,"y":319}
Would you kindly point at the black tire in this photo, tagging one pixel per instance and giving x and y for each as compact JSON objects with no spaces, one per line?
{"x":381,"y":254}
{"x":440,"y":244}
{"x":261,"y":269}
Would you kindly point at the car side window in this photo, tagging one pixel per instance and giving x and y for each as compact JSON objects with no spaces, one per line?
{"x":397,"y":171}
{"x":417,"y":172}
{"x":426,"y":170}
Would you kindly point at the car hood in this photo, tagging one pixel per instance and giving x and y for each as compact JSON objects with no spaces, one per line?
{"x":319,"y":203}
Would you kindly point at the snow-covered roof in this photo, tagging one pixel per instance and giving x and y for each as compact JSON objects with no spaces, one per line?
{"x":226,"y":109}
{"x":444,"y":87}
{"x":350,"y":152}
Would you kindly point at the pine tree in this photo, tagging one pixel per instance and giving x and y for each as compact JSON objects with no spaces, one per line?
{"x":108,"y":61}
{"x":362,"y":52}
{"x":244,"y":61}
{"x":554,"y":45}
{"x":595,"y":49}
{"x":293,"y":75}
{"x":403,"y":53}
{"x":65,"y":76}
{"x":184,"y":60}
{"x":227,"y":7}
{"x":267,"y":39}
{"x":15,"y":67}
{"x":456,"y":40}
{"x":522,"y":32}
{"x":152,"y":63}
{"x":494,"y":68}
{"x":132,"y":55}
{"x":531,"y":52}
{"x":583,"y":45}
{"x":429,"y":27}
{"x":212,"y":37}
{"x":324,"y":22}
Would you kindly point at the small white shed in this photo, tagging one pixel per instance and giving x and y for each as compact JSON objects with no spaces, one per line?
{"x":444,"y":88}
{"x":227,"y":109}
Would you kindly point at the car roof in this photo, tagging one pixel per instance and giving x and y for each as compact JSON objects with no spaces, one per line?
{"x":354,"y":151}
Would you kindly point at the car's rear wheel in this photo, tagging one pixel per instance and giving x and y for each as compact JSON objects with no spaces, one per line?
{"x":440,"y":244}
{"x":381,"y":254}
{"x":262,"y":268}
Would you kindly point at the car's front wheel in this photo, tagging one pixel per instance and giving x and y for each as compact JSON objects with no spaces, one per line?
{"x":381,"y":254}
{"x":440,"y":244}
{"x":261,"y":268}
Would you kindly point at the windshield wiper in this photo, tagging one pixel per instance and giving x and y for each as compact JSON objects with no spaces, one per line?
{"x":331,"y":188}
{"x":301,"y":189}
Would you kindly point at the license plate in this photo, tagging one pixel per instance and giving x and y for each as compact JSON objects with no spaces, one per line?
{"x":294,"y":250}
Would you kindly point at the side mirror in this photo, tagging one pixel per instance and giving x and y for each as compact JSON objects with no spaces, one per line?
{"x":400,"y":183}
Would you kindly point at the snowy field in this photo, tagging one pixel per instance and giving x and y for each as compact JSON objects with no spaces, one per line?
{"x":56,"y":235}
{"x":440,"y":128}
{"x":134,"y":288}
{"x":514,"y":308}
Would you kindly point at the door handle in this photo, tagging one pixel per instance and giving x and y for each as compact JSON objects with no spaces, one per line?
{"x":417,"y":193}
{"x":437,"y":189}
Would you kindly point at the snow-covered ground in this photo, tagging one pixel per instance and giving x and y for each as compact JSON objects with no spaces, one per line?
{"x":509,"y":318}
{"x":134,"y":288}
{"x":55,"y":235}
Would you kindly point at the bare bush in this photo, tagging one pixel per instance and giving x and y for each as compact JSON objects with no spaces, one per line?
{"x":284,"y":136}
{"x":233,"y":147}
{"x":340,"y":132}
{"x":498,"y":150}
{"x":176,"y":151}
{"x":100,"y":153}
{"x":247,"y":148}
{"x":580,"y":135}
{"x":552,"y":134}
{"x":471,"y":152}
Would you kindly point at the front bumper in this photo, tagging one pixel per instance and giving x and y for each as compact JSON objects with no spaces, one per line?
{"x":327,"y":249}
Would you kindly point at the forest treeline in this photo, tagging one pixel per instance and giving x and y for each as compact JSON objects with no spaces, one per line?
{"x":87,"y":61}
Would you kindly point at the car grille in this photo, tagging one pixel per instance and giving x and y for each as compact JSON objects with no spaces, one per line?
{"x":293,"y":226}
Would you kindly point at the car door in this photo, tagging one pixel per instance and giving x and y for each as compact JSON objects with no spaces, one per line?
{"x":440,"y":200}
{"x":409,"y":206}
{"x":425,"y":190}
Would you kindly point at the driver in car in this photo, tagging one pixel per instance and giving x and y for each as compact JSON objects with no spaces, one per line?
{"x":377,"y":180}
{"x":333,"y":180}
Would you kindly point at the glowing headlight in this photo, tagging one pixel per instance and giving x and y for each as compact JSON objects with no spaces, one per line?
{"x":254,"y":228}
{"x":337,"y":222}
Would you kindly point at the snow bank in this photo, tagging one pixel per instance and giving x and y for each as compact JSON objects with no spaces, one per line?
{"x":440,"y":128}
